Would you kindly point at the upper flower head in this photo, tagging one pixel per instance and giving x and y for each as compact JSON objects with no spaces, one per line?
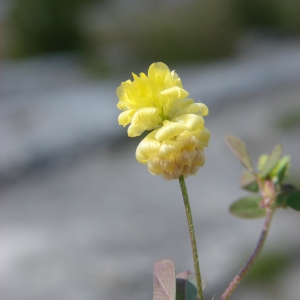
{"x":158,"y":102}
{"x":147,"y":101}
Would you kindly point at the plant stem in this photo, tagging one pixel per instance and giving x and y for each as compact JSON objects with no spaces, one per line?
{"x":238,"y":278}
{"x":192,"y":235}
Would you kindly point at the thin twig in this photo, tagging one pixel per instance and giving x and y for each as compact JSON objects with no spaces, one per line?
{"x":238,"y":278}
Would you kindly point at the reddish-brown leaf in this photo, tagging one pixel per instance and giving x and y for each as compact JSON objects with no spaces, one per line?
{"x":164,"y":280}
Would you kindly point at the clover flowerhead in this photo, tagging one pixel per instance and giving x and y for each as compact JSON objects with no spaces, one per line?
{"x":158,"y":103}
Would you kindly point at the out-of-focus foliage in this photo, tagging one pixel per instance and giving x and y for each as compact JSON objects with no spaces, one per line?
{"x":268,"y":269}
{"x":204,"y":30}
{"x":193,"y":30}
{"x":201,"y":30}
{"x":271,"y":15}
{"x":41,"y":26}
{"x":289,"y":120}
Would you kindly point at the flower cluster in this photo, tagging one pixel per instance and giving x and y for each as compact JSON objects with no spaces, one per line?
{"x":158,"y":102}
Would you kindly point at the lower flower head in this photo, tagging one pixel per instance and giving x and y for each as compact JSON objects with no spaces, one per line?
{"x":175,"y":149}
{"x":159,"y":103}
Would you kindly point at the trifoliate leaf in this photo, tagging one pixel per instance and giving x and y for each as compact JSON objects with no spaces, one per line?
{"x":247,"y":207}
{"x":271,"y":162}
{"x":239,"y":149}
{"x":248,"y":182}
{"x":164,"y":281}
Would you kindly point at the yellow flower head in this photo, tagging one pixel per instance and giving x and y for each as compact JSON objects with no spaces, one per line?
{"x":158,"y":102}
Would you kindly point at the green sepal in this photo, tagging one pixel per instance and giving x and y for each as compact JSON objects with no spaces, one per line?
{"x":247,"y":207}
{"x":289,"y":199}
{"x":240,"y":150}
{"x":248,"y":182}
{"x":270,"y":163}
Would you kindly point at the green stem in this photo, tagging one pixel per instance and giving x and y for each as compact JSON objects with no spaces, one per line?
{"x":192,"y":235}
{"x":238,"y":278}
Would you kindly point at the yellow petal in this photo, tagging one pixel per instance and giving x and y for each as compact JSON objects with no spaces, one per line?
{"x":176,"y":79}
{"x":160,"y":73}
{"x":185,"y":157}
{"x":196,"y":108}
{"x":167,"y":165}
{"x":177,"y":172}
{"x":175,"y":92}
{"x":147,"y":147}
{"x":191,"y":122}
{"x":188,"y":141}
{"x":126,"y":116}
{"x":169,"y":130}
{"x":144,"y":119}
{"x":199,"y":159}
{"x":204,"y":137}
{"x":135,"y":130}
{"x":203,"y":109}
{"x":154,"y":166}
{"x":177,"y":107}
{"x":169,"y":148}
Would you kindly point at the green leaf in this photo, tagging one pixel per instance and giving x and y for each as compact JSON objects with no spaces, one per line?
{"x":290,"y":199}
{"x":186,"y":286}
{"x":293,"y":200}
{"x":281,"y":200}
{"x":281,"y":169}
{"x":268,"y":268}
{"x":271,"y":162}
{"x":248,"y":182}
{"x":288,"y":187}
{"x":164,"y":281}
{"x":239,"y":149}
{"x":262,"y":161}
{"x":247,"y":207}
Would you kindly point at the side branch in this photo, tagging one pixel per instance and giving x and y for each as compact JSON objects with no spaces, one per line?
{"x":238,"y":278}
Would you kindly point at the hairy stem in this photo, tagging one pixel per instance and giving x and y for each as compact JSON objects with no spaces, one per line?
{"x":192,"y":235}
{"x":238,"y":278}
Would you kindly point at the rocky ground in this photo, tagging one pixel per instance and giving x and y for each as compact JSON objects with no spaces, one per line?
{"x":81,"y":219}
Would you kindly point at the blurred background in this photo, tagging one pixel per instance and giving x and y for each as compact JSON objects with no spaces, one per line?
{"x":79,"y":217}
